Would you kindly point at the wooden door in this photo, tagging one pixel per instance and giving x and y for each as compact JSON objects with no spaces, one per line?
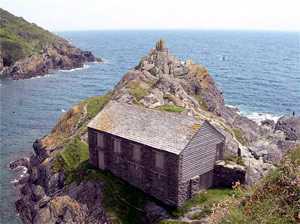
{"x":101,"y":164}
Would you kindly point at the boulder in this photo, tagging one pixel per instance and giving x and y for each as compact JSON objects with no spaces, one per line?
{"x":290,"y":125}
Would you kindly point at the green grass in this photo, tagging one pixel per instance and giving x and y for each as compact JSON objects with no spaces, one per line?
{"x":231,"y":158}
{"x":275,"y":199}
{"x":256,"y":156}
{"x":171,"y":109}
{"x":96,"y":104}
{"x":205,"y":212}
{"x":239,"y":135}
{"x":20,"y":38}
{"x":122,"y":202}
{"x":202,"y":101}
{"x":205,"y":198}
{"x":139,"y":93}
{"x":72,"y":158}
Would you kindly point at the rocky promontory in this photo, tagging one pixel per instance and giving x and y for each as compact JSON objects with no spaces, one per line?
{"x":28,"y":50}
{"x":62,"y":187}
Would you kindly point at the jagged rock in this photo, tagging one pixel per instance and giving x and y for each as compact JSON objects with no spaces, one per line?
{"x":89,"y":194}
{"x":266,"y":127}
{"x":20,"y":162}
{"x":249,"y":127}
{"x":62,"y":209}
{"x":290,"y":125}
{"x":37,"y":192}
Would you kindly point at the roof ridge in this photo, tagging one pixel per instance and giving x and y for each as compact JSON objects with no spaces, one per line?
{"x":156,"y":110}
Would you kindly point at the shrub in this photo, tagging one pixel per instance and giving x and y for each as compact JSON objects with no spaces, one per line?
{"x":256,"y":156}
{"x":275,"y":199}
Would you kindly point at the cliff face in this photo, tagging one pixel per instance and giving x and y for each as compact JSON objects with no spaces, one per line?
{"x":61,"y":187}
{"x":28,"y":50}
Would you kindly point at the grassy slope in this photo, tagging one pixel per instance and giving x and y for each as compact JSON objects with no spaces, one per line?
{"x":20,"y":38}
{"x":276,"y":199}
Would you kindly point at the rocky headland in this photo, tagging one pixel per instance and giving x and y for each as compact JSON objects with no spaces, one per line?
{"x":29,"y":51}
{"x":61,"y":187}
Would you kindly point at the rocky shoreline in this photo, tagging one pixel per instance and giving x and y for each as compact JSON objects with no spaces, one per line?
{"x":63,"y":56}
{"x":159,"y":80}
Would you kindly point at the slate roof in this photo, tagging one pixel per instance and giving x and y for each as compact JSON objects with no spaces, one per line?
{"x":159,"y":129}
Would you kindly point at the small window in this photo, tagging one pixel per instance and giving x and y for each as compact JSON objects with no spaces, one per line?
{"x":117,"y":145}
{"x":117,"y":160}
{"x":159,"y":160}
{"x":136,"y":152}
{"x":100,"y":141}
{"x":158,"y":176}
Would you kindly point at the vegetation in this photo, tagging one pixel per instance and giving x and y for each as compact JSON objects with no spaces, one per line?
{"x":256,"y":156}
{"x":240,"y":136}
{"x":20,"y":38}
{"x":276,"y":199}
{"x":237,"y":159}
{"x":205,"y":198}
{"x":202,"y":101}
{"x":171,"y":109}
{"x":139,"y":93}
{"x":72,"y":158}
{"x":124,"y":203}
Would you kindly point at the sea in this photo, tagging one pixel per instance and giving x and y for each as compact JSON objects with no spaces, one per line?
{"x":258,"y":72}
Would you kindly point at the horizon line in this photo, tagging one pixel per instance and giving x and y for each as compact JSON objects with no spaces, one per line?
{"x":174,"y":29}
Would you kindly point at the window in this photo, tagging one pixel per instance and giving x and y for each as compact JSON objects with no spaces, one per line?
{"x":117,"y":159}
{"x":100,"y":141}
{"x":117,"y":145}
{"x":136,"y":152}
{"x":159,"y":160}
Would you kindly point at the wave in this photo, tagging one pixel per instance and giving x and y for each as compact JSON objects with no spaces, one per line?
{"x":258,"y":117}
{"x":41,"y":76}
{"x":75,"y":69}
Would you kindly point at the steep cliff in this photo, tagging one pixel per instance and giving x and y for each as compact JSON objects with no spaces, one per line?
{"x":62,"y":187}
{"x":28,"y":50}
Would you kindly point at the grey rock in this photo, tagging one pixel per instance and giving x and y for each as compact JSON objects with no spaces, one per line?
{"x":154,"y":213}
{"x":37,"y":192}
{"x":290,"y":125}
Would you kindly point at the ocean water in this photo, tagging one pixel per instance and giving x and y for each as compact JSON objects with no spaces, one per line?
{"x":258,"y":72}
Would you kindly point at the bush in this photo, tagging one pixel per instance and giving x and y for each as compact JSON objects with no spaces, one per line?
{"x":275,"y":199}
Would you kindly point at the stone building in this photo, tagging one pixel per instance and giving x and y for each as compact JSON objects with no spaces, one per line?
{"x":167,"y":155}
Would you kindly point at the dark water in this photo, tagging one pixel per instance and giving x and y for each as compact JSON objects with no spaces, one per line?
{"x":259,"y":75}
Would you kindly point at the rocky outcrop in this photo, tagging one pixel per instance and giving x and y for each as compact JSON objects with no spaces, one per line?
{"x":28,"y":50}
{"x":64,"y":57}
{"x":290,"y":125}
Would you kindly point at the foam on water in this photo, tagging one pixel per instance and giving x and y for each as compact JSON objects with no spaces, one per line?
{"x":76,"y":69}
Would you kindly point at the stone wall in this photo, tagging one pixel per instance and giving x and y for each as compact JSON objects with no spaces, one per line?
{"x":160,"y":183}
{"x":227,"y":176}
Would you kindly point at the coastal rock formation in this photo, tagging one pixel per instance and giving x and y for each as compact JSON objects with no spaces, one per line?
{"x":28,"y":51}
{"x":290,"y":125}
{"x":159,"y":81}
